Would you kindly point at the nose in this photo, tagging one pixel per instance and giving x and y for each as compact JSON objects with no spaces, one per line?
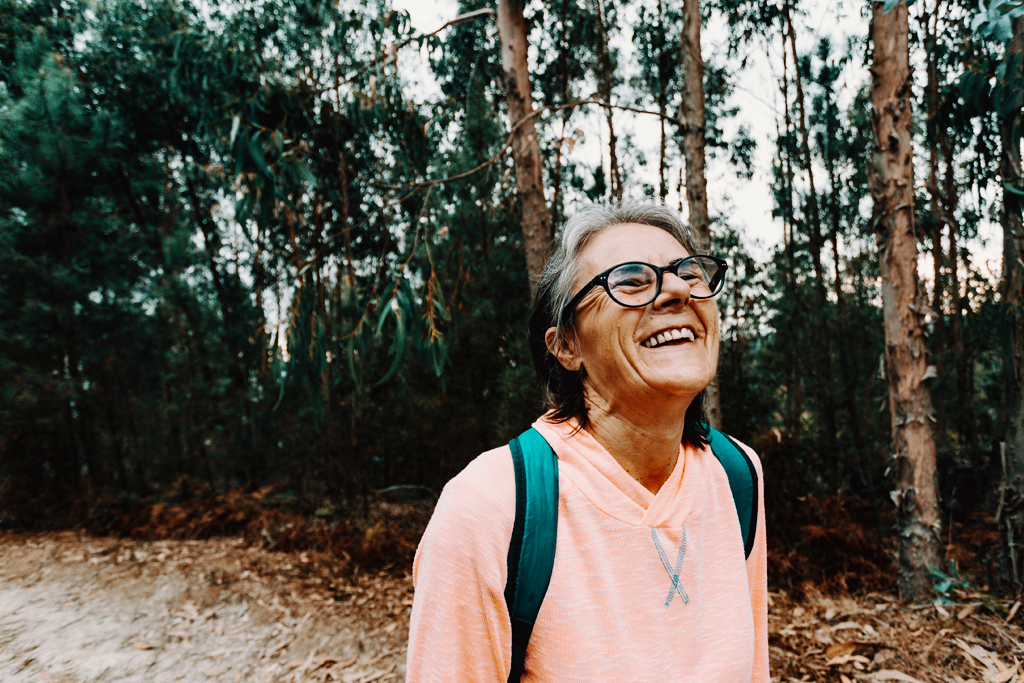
{"x":675,"y":291}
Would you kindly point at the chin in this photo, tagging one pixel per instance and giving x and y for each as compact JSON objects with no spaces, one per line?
{"x":682,"y":386}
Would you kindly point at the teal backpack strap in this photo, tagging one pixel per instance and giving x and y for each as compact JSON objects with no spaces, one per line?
{"x":531,"y":553}
{"x":743,"y":482}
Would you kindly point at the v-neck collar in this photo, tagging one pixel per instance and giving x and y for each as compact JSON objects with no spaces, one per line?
{"x":607,"y":485}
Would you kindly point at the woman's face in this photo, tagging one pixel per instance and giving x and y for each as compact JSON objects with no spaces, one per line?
{"x":614,"y":343}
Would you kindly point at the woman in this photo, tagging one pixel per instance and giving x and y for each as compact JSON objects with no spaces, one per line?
{"x":625,"y":335}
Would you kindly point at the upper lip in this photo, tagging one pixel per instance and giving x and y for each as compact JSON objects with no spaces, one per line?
{"x":685,"y":328}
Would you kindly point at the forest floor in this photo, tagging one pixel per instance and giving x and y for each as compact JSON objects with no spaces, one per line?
{"x":76,"y":608}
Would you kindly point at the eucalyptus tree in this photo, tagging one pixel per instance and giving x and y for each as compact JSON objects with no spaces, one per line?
{"x":919,"y":523}
{"x":1002,"y":21}
{"x":1011,"y":106}
{"x":525,"y":147}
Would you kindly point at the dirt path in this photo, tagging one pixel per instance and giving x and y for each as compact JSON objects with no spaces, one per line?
{"x":89,"y":610}
{"x":77,"y":610}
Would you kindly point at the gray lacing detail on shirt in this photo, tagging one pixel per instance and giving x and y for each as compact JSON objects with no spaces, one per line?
{"x":674,"y":575}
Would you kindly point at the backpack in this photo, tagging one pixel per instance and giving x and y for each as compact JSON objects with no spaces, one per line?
{"x":531,"y":552}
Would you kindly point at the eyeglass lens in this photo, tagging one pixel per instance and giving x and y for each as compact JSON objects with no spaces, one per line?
{"x":636,"y":284}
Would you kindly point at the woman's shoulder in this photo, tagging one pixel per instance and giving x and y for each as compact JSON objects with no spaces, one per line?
{"x":750,"y":452}
{"x":484,"y":492}
{"x":745,"y":449}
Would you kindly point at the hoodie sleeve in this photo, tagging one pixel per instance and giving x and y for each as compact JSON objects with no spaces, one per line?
{"x":757,"y":577}
{"x":460,"y":628}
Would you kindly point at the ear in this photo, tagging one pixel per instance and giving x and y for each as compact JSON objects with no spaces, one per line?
{"x":565,"y":351}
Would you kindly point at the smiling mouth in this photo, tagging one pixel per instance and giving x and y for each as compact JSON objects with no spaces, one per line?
{"x":677,"y":335}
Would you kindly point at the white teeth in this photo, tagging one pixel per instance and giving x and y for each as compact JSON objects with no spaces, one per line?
{"x":667,"y":336}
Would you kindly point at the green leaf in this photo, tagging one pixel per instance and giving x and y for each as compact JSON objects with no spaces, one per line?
{"x":302,"y":271}
{"x":399,"y":346}
{"x":1014,"y":189}
{"x":283,"y":197}
{"x":890,"y":5}
{"x":234,"y":129}
{"x":256,"y":152}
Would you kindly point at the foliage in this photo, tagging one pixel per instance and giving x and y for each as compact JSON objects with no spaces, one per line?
{"x":238,"y":247}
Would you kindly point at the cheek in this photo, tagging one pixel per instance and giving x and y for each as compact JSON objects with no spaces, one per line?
{"x":607,"y":346}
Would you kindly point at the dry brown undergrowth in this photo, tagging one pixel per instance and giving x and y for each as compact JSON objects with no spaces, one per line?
{"x":878,"y":638}
{"x":221,"y":610}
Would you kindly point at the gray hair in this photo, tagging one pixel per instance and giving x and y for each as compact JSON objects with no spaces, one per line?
{"x":563,"y":265}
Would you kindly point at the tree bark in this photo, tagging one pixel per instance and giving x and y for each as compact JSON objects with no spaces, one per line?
{"x":890,"y":174}
{"x":604,"y":85}
{"x":536,"y":222}
{"x":692,"y":123}
{"x":1011,"y":499}
{"x":662,"y":100}
{"x":936,"y":213}
{"x":794,"y":390}
{"x":563,"y":73}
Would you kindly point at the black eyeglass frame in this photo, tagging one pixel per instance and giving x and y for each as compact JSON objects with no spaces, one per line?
{"x":715,"y":285}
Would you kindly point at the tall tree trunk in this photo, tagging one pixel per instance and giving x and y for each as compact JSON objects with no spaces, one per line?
{"x":965,"y":418}
{"x":936,"y":209}
{"x":563,"y":75}
{"x":692,"y":122}
{"x":823,"y":383}
{"x":842,"y":340}
{"x":1011,"y":499}
{"x":794,"y":390}
{"x":604,"y":88}
{"x":662,"y":100}
{"x":525,"y":148}
{"x":890,"y":173}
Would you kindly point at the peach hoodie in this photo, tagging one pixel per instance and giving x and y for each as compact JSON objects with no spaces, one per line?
{"x":610,"y":613}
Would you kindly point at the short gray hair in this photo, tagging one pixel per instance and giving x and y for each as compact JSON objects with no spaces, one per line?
{"x":556,"y":287}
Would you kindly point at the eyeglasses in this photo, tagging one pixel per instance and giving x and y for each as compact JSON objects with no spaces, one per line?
{"x":636,"y":284}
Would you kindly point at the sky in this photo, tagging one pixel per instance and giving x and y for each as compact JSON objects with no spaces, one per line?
{"x":747,"y":204}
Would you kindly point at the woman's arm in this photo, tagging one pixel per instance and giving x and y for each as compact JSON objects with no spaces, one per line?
{"x":757,"y":576}
{"x":460,"y":629}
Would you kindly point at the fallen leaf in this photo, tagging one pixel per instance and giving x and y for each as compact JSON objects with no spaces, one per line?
{"x":143,"y":646}
{"x":840,"y":650}
{"x":1003,"y":677}
{"x":390,"y":628}
{"x":844,"y":679}
{"x":892,"y":675}
{"x":846,"y":624}
{"x":1013,"y":611}
{"x":941,"y":610}
{"x":845,"y":659}
{"x":965,"y":612}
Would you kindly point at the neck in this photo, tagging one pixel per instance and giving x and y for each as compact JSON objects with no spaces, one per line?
{"x":645,"y":443}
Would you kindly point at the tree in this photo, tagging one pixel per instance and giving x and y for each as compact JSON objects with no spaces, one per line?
{"x":1011,"y":293}
{"x":693,"y":123}
{"x":892,"y":189}
{"x":536,"y":220}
